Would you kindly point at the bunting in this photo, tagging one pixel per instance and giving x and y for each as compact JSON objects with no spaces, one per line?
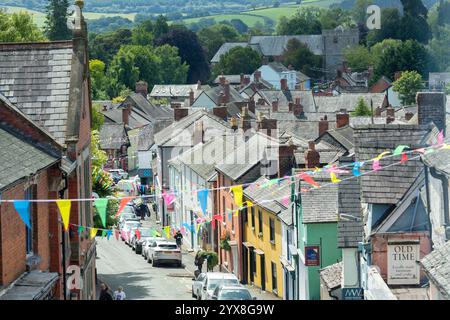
{"x":399,"y":150}
{"x":23,"y":209}
{"x":356,"y":168}
{"x":64,"y":211}
{"x":334,"y":179}
{"x":169,"y":198}
{"x":93,"y":233}
{"x":307,"y":178}
{"x":376,"y":165}
{"x":101,"y":205}
{"x":202,"y":197}
{"x":238,"y":193}
{"x":123,"y":204}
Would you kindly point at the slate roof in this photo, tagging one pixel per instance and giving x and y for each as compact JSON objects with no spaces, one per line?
{"x":112,"y":136}
{"x":20,"y":159}
{"x":388,"y":185}
{"x":246,"y":156}
{"x":224,"y":48}
{"x":440,"y":160}
{"x":232,"y":78}
{"x":284,"y":97}
{"x":148,"y":109}
{"x":347,"y":101}
{"x":170,"y":136}
{"x":350,"y":231}
{"x":36,"y":78}
{"x":344,"y":136}
{"x":145,"y":138}
{"x":214,"y":94}
{"x":286,"y":216}
{"x":307,"y":130}
{"x":332,"y":275}
{"x":276,"y":45}
{"x":320,"y":205}
{"x":177,"y":90}
{"x":279,"y":68}
{"x":437,"y":268}
{"x":275,"y":191}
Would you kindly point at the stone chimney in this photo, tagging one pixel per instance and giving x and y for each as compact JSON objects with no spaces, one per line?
{"x":226,"y":91}
{"x":257,"y":75}
{"x":285,"y":159}
{"x":233,"y":123}
{"x":431,"y":108}
{"x":342,"y":118}
{"x":246,"y":80}
{"x":390,"y":112}
{"x":126,"y":115}
{"x":179,"y":113}
{"x":252,"y":105}
{"x":191,"y":97}
{"x":267,"y":126}
{"x":298,"y":108}
{"x":199,"y":133}
{"x":242,"y":79}
{"x":291,"y":106}
{"x":222,"y":80}
{"x":409,"y":115}
{"x":323,"y":125}
{"x":142,"y":88}
{"x":199,"y":85}
{"x":275,"y":105}
{"x":222,"y":99}
{"x":390,"y":119}
{"x":312,"y":157}
{"x":378,"y":111}
{"x":245,"y":120}
{"x":221,"y":112}
{"x":284,"y":85}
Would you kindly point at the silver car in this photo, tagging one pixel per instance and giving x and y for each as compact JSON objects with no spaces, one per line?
{"x":147,"y":243}
{"x":231,"y":292}
{"x":164,"y":252}
{"x":204,"y":285}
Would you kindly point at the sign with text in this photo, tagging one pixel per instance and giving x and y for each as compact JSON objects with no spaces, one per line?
{"x":312,"y":256}
{"x":402,"y":262}
{"x":353,"y":293}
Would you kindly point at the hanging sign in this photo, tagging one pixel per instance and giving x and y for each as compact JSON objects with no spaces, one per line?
{"x":402,"y":262}
{"x":312,"y":256}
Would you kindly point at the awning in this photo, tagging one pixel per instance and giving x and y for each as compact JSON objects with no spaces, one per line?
{"x":260,"y":252}
{"x":35,"y":285}
{"x":286,"y":264}
{"x":248,"y":244}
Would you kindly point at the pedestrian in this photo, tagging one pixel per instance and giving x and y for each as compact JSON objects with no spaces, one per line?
{"x":104,"y":293}
{"x":199,"y":260}
{"x":178,"y":238}
{"x":119,"y":294}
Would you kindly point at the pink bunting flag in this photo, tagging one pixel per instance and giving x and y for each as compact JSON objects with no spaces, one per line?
{"x":420,"y":150}
{"x":440,"y":138}
{"x":138,"y":234}
{"x":286,"y":201}
{"x":116,"y":234}
{"x":376,"y":165}
{"x":169,"y":198}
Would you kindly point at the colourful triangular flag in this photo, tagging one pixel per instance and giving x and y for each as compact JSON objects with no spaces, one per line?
{"x":93,"y":233}
{"x":109,"y":233}
{"x":376,"y":165}
{"x":333,"y":177}
{"x":237,"y":192}
{"x":64,"y":211}
{"x":304,"y":176}
{"x":286,"y":201}
{"x":80,"y":229}
{"x":356,"y":167}
{"x":398,"y":151}
{"x":104,"y":233}
{"x":404,"y":158}
{"x":23,"y":209}
{"x":101,"y":205}
{"x":123,"y":204}
{"x":169,"y":198}
{"x":202,"y":196}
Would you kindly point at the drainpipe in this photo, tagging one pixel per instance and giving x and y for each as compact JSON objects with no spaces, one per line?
{"x":427,"y":189}
{"x":444,"y":181}
{"x":63,"y":238}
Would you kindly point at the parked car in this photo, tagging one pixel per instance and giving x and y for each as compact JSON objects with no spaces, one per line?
{"x":128,"y":187}
{"x":131,"y":235}
{"x":136,"y":244}
{"x":119,"y":172}
{"x":127,"y":216}
{"x":126,"y":228}
{"x":147,"y":243}
{"x":164,"y":252}
{"x":231,"y":292}
{"x":204,"y":285}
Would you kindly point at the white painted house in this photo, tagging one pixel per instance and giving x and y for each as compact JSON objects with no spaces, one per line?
{"x":273,"y":72}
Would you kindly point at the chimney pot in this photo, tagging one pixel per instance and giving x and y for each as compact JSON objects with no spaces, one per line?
{"x":312,"y":157}
{"x":323,"y":125}
{"x":390,"y":112}
{"x":275,"y":105}
{"x":284,"y":85}
{"x":257,"y":75}
{"x":191,"y":97}
{"x":180,"y":113}
{"x":142,"y":88}
{"x":342,"y":119}
{"x":222,"y":80}
{"x":409,"y":115}
{"x":221,"y":112}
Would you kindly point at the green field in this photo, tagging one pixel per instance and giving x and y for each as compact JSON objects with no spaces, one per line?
{"x":39,"y":17}
{"x":249,"y":20}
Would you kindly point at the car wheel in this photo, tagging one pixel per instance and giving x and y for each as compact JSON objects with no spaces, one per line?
{"x":193,"y":295}
{"x":149,"y":260}
{"x":137,"y":251}
{"x":154,"y":263}
{"x":179,"y":264}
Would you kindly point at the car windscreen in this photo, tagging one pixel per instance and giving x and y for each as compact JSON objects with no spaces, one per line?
{"x":146,"y":232}
{"x":167,"y":246}
{"x":213,"y":283}
{"x":234,"y":294}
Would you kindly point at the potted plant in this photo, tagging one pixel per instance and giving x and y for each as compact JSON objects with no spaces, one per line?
{"x":211,"y":258}
{"x":224,"y":242}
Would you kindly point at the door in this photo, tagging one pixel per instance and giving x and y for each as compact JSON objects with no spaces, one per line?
{"x":252,"y":265}
{"x":235,"y":261}
{"x":263,"y":272}
{"x":245,"y":264}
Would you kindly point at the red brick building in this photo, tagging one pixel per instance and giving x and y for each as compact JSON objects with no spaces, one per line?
{"x":49,"y":83}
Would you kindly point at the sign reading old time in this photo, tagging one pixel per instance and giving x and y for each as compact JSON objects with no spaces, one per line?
{"x":402,"y":263}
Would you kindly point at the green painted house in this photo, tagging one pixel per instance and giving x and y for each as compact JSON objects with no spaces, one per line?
{"x":317,"y":212}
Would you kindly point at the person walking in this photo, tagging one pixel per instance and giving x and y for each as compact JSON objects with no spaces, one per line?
{"x":178,"y":238}
{"x":199,"y":260}
{"x":119,"y":294}
{"x":104,"y":292}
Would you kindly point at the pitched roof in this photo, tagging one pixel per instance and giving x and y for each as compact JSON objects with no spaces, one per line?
{"x":347,"y":101}
{"x":332,"y":275}
{"x":440,"y":160}
{"x":246,"y":156}
{"x":232,"y":78}
{"x":437,"y":268}
{"x":180,"y":132}
{"x":112,"y":136}
{"x":19,"y":158}
{"x":388,"y":185}
{"x":224,"y":48}
{"x":148,"y":109}
{"x":344,"y":136}
{"x":145,"y":137}
{"x":284,"y":97}
{"x":320,"y":205}
{"x":214,"y":94}
{"x":276,"y":45}
{"x":36,"y":78}
{"x":177,"y":90}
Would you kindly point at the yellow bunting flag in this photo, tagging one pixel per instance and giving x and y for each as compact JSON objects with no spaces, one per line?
{"x":334,"y":179}
{"x":93,"y":232}
{"x":198,"y":227}
{"x":381,"y":155}
{"x":64,"y":210}
{"x":167,"y":231}
{"x":237,"y":192}
{"x":249,"y":204}
{"x":236,"y":213}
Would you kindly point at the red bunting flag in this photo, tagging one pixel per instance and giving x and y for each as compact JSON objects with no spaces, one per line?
{"x":138,"y":234}
{"x":122,"y":205}
{"x":116,"y":234}
{"x":404,"y":158}
{"x":307,"y":178}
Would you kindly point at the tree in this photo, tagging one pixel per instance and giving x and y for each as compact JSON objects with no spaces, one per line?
{"x":190,"y":51}
{"x":105,"y":46}
{"x":56,"y":20}
{"x":332,"y":18}
{"x":98,"y":79}
{"x":301,"y":58}
{"x":238,"y":60}
{"x":390,"y":21}
{"x":97,"y":117}
{"x":213,"y":37}
{"x":440,"y":47}
{"x":414,"y":23}
{"x":361,"y":109}
{"x":239,"y":25}
{"x":171,"y":69}
{"x":19,"y":27}
{"x":161,"y":27}
{"x":358,"y":57}
{"x":407,"y":86}
{"x":304,"y":21}
{"x":142,"y":34}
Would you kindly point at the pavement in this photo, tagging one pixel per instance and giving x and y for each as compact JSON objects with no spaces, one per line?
{"x":118,"y":265}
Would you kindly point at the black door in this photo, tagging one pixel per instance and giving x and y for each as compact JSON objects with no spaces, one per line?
{"x":263,"y":272}
{"x":252,"y":264}
{"x":245,"y":265}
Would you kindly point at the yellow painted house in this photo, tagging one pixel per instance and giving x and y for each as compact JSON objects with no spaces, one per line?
{"x":262,"y":239}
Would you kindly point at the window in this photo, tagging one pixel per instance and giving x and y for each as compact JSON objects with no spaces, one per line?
{"x":274,"y":277}
{"x":272,"y":230}
{"x":260,"y":222}
{"x":29,"y":231}
{"x":245,"y":213}
{"x":253,"y":218}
